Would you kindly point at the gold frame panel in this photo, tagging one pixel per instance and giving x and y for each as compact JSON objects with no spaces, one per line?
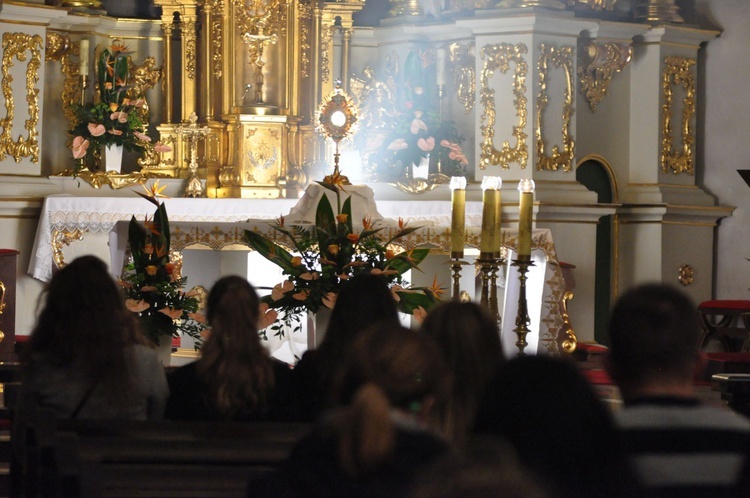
{"x":16,"y":45}
{"x":498,"y":57}
{"x":561,"y":57}
{"x":461,"y":56}
{"x":677,"y":71}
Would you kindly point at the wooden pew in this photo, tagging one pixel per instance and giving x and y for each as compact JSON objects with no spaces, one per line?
{"x":157,"y":459}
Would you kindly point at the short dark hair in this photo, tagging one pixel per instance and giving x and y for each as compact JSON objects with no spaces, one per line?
{"x":654,"y":331}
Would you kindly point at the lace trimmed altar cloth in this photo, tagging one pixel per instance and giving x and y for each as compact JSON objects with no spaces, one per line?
{"x":218,"y":223}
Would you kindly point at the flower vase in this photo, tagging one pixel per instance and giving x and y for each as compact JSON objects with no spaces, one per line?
{"x":317,"y":323}
{"x":421,"y":170}
{"x":112,"y":158}
{"x":164,"y":349}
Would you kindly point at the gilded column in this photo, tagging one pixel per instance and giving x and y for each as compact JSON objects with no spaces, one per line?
{"x":315,"y":63}
{"x":206,"y":90}
{"x":167,"y":27}
{"x":345,"y":45}
{"x":189,"y":73}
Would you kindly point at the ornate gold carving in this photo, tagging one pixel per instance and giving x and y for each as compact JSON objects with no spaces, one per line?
{"x":305,"y":13}
{"x":100,"y":179}
{"x":499,"y":57}
{"x":326,"y":47}
{"x":570,"y":343}
{"x":143,"y":78}
{"x":62,"y":238}
{"x":188,"y":30}
{"x":16,"y":45}
{"x":59,"y":48}
{"x":261,"y":23}
{"x":599,"y":62}
{"x":461,"y":56}
{"x":216,"y":44}
{"x":656,"y":11}
{"x":561,"y":58}
{"x":685,"y":276}
{"x":677,"y":71}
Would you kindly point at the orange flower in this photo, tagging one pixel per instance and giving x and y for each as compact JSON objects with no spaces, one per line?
{"x":151,"y":270}
{"x":198,"y":317}
{"x":333,"y":249}
{"x":280,"y":221}
{"x":401,"y":223}
{"x":172,"y":313}
{"x":301,"y":295}
{"x":119,"y":47}
{"x":296,"y":261}
{"x":169,"y":267}
{"x":309,"y":276}
{"x":160,"y":147}
{"x":148,"y":249}
{"x":329,"y":300}
{"x":266,"y":317}
{"x":148,"y":288}
{"x":280,"y":289}
{"x":112,"y":105}
{"x":136,"y":306}
{"x":353,"y":237}
{"x":96,"y":130}
{"x":378,"y":271}
{"x":367,"y":222}
{"x":154,"y":190}
{"x":79,"y":147}
{"x":436,"y":289}
{"x":419,"y":314}
{"x":341,"y":218}
{"x":389,"y":254}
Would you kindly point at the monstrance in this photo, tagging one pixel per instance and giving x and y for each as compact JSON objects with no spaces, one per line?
{"x":336,"y":118}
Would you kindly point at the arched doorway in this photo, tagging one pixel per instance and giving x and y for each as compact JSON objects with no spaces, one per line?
{"x":596,"y":175}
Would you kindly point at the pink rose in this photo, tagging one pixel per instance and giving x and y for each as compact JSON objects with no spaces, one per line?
{"x":79,"y":147}
{"x":142,"y":136}
{"x":398,"y":144}
{"x":160,"y":147}
{"x":426,"y":144}
{"x":96,"y":130}
{"x":119,"y":116}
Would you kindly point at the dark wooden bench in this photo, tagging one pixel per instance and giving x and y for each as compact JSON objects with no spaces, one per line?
{"x":728,"y":322}
{"x":156,"y":459}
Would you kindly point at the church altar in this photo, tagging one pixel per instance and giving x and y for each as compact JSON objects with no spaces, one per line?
{"x":219,"y":223}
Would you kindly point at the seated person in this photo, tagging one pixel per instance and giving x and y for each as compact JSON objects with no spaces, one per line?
{"x":680,"y":446}
{"x":235,"y":378}
{"x":86,"y":357}
{"x":381,"y":433}
{"x":546,"y":409}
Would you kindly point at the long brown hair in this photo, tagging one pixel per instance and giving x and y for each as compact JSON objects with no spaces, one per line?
{"x":387,"y":367}
{"x":84,"y":326}
{"x":235,"y":366}
{"x":469,"y":339}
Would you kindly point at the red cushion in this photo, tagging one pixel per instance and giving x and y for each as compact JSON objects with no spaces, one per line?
{"x":725,"y":304}
{"x":591,"y":348}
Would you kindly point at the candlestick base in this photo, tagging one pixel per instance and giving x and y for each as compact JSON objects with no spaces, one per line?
{"x":523,"y":263}
{"x":456,"y":264}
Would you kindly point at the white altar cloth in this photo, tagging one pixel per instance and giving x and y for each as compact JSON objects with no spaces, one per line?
{"x":217,"y":223}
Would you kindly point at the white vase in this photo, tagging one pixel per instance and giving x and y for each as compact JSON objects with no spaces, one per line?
{"x":317,"y":323}
{"x":164,"y":350}
{"x":112,"y":158}
{"x":421,"y":170}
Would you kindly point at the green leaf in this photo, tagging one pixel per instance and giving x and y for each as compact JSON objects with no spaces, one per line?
{"x":162,"y":223}
{"x":325,"y":221}
{"x":347,"y":210}
{"x":137,"y":239}
{"x":403,"y":233}
{"x":272,"y":252}
{"x":404,"y":262}
{"x":409,"y":301}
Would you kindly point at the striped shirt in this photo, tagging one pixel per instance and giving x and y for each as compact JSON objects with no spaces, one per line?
{"x":682,"y":448}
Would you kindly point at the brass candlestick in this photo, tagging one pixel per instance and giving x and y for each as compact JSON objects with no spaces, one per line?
{"x":485,"y":263}
{"x":522,"y":316}
{"x":494,"y":269}
{"x":456,"y":264}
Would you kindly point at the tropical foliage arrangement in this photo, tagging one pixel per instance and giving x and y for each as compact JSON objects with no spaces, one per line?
{"x":113,"y":119}
{"x":330,"y":252}
{"x":153,"y":284}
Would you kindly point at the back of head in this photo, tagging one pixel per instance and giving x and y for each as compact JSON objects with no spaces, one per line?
{"x":654,"y":333}
{"x":234,"y":363}
{"x":363,"y":301}
{"x":83,"y":320}
{"x":559,"y":427}
{"x":387,"y":368}
{"x":469,"y":339}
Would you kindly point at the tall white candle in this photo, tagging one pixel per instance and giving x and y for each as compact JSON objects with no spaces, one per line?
{"x":525,"y":215}
{"x":458,"y":216}
{"x":498,"y":217}
{"x":489,"y":214}
{"x":84,"y":57}
{"x":440,"y":66}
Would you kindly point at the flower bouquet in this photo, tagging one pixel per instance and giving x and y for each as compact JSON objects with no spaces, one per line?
{"x":113,"y":119}
{"x":153,"y":285}
{"x":331,"y":252}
